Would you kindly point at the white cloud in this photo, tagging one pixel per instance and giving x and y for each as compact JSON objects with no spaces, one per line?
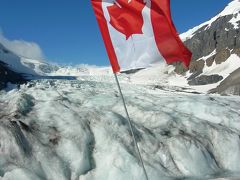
{"x":22,"y":48}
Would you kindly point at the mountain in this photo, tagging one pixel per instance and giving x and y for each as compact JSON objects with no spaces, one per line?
{"x":16,"y":69}
{"x":9,"y":76}
{"x":215,"y":45}
{"x":8,"y":73}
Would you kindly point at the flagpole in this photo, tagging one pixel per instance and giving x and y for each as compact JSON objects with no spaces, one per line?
{"x":131,"y":126}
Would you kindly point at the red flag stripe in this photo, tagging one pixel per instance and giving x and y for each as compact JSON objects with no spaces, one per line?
{"x":166,"y":36}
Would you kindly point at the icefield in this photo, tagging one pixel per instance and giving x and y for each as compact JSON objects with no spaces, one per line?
{"x":77,"y":130}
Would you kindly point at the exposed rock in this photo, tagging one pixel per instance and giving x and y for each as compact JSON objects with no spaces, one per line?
{"x":236,"y":51}
{"x":203,"y":80}
{"x":180,"y":68}
{"x":222,"y":56}
{"x":7,"y":75}
{"x":194,"y":75}
{"x":46,"y":68}
{"x":210,"y":60}
{"x":219,"y":35}
{"x":132,"y":71}
{"x":2,"y":85}
{"x":196,"y":66}
{"x":230,"y":85}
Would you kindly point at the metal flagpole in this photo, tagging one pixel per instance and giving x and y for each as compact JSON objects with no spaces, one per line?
{"x":131,"y":126}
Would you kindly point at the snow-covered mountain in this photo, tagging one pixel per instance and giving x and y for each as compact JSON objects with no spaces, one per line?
{"x":23,"y":65}
{"x":15,"y":69}
{"x":216,"y":50}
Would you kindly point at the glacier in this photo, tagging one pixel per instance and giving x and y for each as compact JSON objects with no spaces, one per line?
{"x":77,"y":129}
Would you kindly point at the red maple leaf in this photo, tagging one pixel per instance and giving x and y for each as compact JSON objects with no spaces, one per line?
{"x":126,"y":16}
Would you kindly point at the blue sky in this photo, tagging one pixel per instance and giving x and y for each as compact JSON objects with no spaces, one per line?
{"x":67,"y":31}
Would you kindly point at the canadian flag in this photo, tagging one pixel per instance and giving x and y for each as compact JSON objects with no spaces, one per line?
{"x":139,"y":33}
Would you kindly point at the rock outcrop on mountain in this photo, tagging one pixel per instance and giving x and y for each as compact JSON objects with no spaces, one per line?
{"x":15,"y":69}
{"x":220,"y":36}
{"x":8,"y":75}
{"x":230,"y":85}
{"x":203,"y":80}
{"x":212,"y":44}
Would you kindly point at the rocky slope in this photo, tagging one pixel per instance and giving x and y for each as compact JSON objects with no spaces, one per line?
{"x":212,"y":43}
{"x":8,"y":75}
{"x":231,"y":85}
{"x":16,"y":70}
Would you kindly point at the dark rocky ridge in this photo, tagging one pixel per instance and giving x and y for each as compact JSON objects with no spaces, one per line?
{"x":203,"y":80}
{"x":7,"y":75}
{"x":220,"y":36}
{"x":230,"y":85}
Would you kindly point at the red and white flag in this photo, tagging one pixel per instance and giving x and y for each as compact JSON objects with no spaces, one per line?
{"x":139,"y":33}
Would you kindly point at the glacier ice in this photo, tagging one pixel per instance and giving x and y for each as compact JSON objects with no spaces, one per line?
{"x":61,"y":129}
